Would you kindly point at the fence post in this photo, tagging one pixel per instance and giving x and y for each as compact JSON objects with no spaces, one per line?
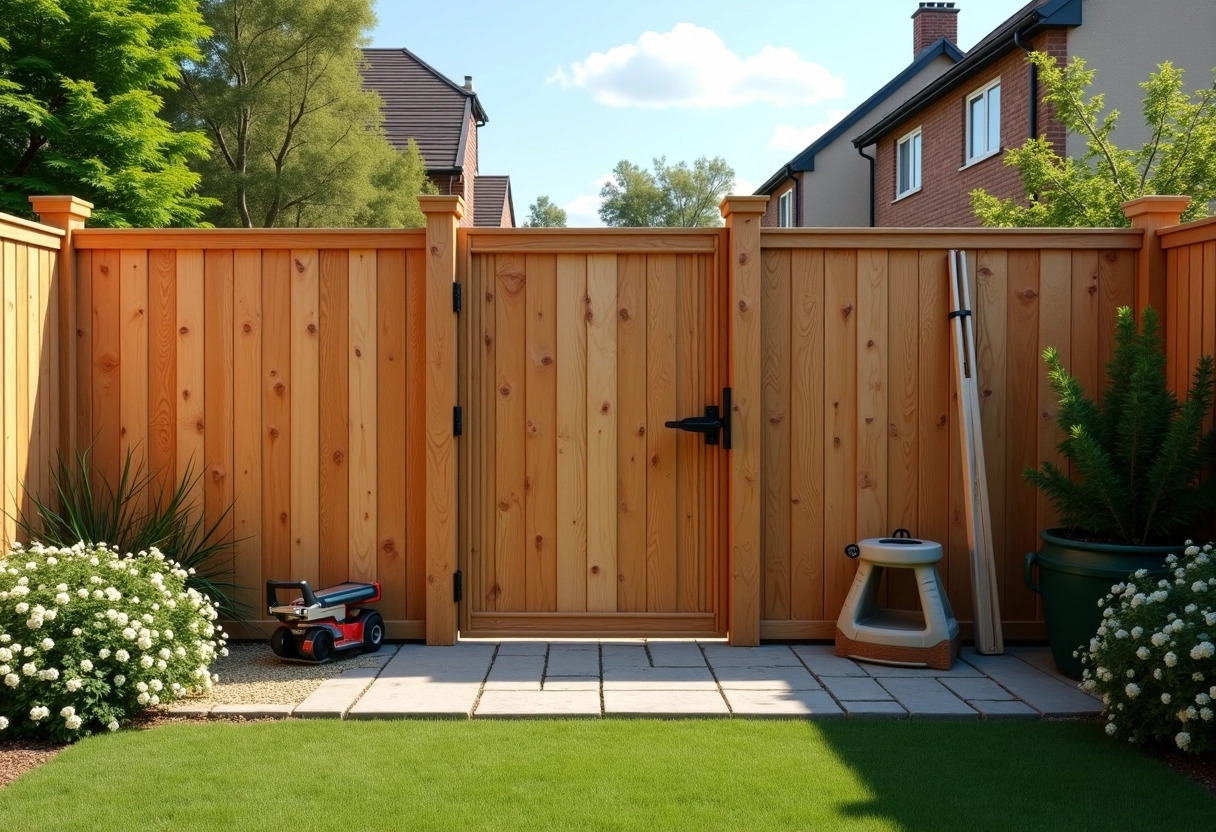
{"x":443,"y":214}
{"x":69,"y":214}
{"x":742,"y":214}
{"x":1153,"y":213}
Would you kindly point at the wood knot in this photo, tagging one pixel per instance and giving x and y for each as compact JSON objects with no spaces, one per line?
{"x":654,"y":460}
{"x":893,"y":430}
{"x":1110,"y":256}
{"x":185,"y":330}
{"x":595,"y":570}
{"x":505,"y":390}
{"x":540,"y":540}
{"x":274,"y":432}
{"x":987,"y":392}
{"x":389,"y":547}
{"x":984,"y":271}
{"x":846,"y":311}
{"x":776,"y":420}
{"x":283,"y":517}
{"x":312,"y":329}
{"x":546,"y":360}
{"x":434,"y":249}
{"x":279,"y":387}
{"x":218,"y":474}
{"x":489,"y":339}
{"x":743,"y":258}
{"x":836,"y":441}
{"x":870,"y":343}
{"x":605,"y":407}
{"x":1093,"y":289}
{"x":339,"y":456}
{"x":641,"y":430}
{"x":299,"y":265}
{"x":247,"y":329}
{"x":503,"y":505}
{"x":796,"y":501}
{"x":80,"y":333}
{"x":864,"y":481}
{"x":532,"y":429}
{"x":1028,"y":294}
{"x":358,"y":353}
{"x":489,"y":297}
{"x":869,"y":420}
{"x":942,"y":421}
{"x":742,"y":306}
{"x":200,"y":426}
{"x":186,"y":395}
{"x":624,"y":313}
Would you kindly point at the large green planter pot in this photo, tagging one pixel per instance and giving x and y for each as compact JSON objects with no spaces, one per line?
{"x":1073,"y":576}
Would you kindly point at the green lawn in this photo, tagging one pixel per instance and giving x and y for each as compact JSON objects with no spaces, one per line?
{"x":605,"y":775}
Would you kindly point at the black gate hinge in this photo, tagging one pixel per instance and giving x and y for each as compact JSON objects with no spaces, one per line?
{"x":457,"y":586}
{"x":457,"y":297}
{"x":457,"y":420}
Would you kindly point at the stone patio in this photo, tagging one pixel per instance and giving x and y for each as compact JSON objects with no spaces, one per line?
{"x":669,"y":679}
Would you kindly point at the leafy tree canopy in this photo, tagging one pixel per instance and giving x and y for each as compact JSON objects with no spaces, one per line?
{"x":1179,"y":158}
{"x":545,"y":214}
{"x":297,"y":141}
{"x":80,"y":84}
{"x":670,"y":196}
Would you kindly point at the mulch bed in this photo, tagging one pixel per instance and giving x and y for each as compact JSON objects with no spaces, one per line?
{"x":16,"y":758}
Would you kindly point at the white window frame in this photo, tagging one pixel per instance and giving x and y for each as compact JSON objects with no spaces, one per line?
{"x":785,"y":209}
{"x":916,"y":150}
{"x":983,"y":92}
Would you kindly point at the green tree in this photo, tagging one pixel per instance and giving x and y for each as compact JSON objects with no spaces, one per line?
{"x":80,"y":103}
{"x":297,"y":141}
{"x":671,"y":196}
{"x":1179,"y":158}
{"x":545,"y":214}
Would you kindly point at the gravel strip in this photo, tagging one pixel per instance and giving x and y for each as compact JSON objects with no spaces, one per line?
{"x":252,"y":675}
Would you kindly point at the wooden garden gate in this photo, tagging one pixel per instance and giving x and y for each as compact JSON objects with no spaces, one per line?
{"x":582,"y":514}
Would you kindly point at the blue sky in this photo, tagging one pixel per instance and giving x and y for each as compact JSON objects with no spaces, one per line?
{"x":571,"y":87}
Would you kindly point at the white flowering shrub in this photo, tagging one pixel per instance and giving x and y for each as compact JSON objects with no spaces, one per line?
{"x":1153,"y":659}
{"x":90,"y":637}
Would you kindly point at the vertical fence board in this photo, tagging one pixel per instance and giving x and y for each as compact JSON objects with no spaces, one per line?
{"x":133,"y":361}
{"x":903,"y":368}
{"x":840,"y":421}
{"x":106,"y":379}
{"x":689,"y":446}
{"x":991,"y":302}
{"x":305,"y":415}
{"x":601,"y":432}
{"x":1024,"y":367}
{"x":933,"y":432}
{"x":1055,"y":322}
{"x":540,"y":445}
{"x":806,"y":435}
{"x":162,"y":368}
{"x":247,"y":426}
{"x":333,"y":477}
{"x":872,"y":392}
{"x":571,"y":433}
{"x":84,"y":351}
{"x":775,"y":475}
{"x":484,"y":296}
{"x":218,"y":367}
{"x":1209,"y":306}
{"x":415,"y":425}
{"x":631,"y":433}
{"x":511,"y":423}
{"x":277,"y":382}
{"x":190,"y":391}
{"x":392,"y":423}
{"x":661,"y":591}
{"x":362,"y":434}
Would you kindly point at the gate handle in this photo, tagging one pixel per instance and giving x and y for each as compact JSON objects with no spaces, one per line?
{"x":1032,"y":560}
{"x":713,"y":423}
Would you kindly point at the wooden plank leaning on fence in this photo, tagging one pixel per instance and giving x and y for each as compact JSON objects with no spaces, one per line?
{"x":988,"y":636}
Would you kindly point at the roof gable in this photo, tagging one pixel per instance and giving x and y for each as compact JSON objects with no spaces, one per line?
{"x":422,"y":104}
{"x":489,"y":195}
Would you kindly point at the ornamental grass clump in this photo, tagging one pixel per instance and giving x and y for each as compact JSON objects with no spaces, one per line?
{"x":90,"y":637}
{"x":1138,"y":459}
{"x":1153,"y":659}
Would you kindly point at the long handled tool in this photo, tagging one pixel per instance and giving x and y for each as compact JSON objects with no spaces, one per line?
{"x":988,"y":637}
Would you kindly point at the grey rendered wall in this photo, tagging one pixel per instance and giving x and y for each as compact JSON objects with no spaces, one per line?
{"x":1125,"y":40}
{"x":837,"y":192}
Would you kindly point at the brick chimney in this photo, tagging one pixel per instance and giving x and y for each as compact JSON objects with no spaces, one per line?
{"x":468,"y":82}
{"x":932,"y":21}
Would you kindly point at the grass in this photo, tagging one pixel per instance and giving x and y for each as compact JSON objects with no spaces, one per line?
{"x":605,"y":775}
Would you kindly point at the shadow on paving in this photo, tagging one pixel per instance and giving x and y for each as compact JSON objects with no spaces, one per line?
{"x":928,"y":776}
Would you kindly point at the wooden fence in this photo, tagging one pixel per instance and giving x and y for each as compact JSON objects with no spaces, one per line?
{"x":284,"y":368}
{"x":29,"y":364}
{"x":859,"y":432}
{"x":310,"y":376}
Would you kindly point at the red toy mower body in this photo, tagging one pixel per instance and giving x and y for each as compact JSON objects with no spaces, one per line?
{"x":317,"y":625}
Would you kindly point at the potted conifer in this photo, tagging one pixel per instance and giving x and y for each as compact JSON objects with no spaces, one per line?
{"x":1138,"y":485}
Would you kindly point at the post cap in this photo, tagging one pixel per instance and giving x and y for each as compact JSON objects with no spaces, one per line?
{"x":743,"y":205}
{"x":440,"y":204}
{"x":74,"y":206}
{"x":1173,"y":205}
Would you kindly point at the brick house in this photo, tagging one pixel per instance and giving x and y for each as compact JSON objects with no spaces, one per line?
{"x":443,"y":117}
{"x":828,"y":183}
{"x":951,"y":136}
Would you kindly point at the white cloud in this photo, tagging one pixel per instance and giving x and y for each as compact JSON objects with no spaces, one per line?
{"x":690,"y":66}
{"x":789,"y":137}
{"x":584,"y":210}
{"x":743,"y":187}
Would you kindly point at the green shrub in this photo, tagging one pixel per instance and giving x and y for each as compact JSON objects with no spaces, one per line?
{"x":89,"y":637}
{"x":136,"y":516}
{"x":1152,"y":659}
{"x":1139,"y":458}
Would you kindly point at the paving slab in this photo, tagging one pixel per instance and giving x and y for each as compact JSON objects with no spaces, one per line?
{"x":334,"y":697}
{"x":523,"y":648}
{"x":624,"y":655}
{"x":572,"y":683}
{"x":467,"y":662}
{"x":565,"y":661}
{"x":883,"y":709}
{"x":253,"y":711}
{"x":391,"y":698}
{"x":823,"y":661}
{"x":517,"y":704}
{"x":664,"y":703}
{"x":783,"y":704}
{"x":1003,"y":709}
{"x":190,"y":710}
{"x":766,"y":678}
{"x":1040,"y":658}
{"x":659,"y":678}
{"x":516,"y":673}
{"x":981,"y":688}
{"x":854,"y":688}
{"x":1046,"y":694}
{"x":960,"y":670}
{"x":676,"y":654}
{"x":928,"y":698}
{"x":767,"y":655}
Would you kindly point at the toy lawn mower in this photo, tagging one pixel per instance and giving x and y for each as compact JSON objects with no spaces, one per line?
{"x":316,"y":625}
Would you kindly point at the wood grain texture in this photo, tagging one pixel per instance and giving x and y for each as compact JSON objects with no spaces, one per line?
{"x":934,"y":435}
{"x":903,"y":450}
{"x":84,"y":350}
{"x":511,"y":425}
{"x":690,"y":448}
{"x":1024,"y":367}
{"x":840,"y":423}
{"x":162,"y":368}
{"x":218,"y":370}
{"x":806,"y":435}
{"x":632,"y":428}
{"x":8,"y":410}
{"x":1055,"y":324}
{"x":333,"y":477}
{"x":276,"y":390}
{"x":106,"y":382}
{"x":362,"y":425}
{"x":485,"y":295}
{"x":305,"y":415}
{"x":133,"y":352}
{"x":601,"y":433}
{"x":661,"y":406}
{"x":247,"y":426}
{"x":416,"y":518}
{"x":991,"y":304}
{"x":540,"y":441}
{"x":775,"y":375}
{"x":391,"y":430}
{"x":872,"y":392}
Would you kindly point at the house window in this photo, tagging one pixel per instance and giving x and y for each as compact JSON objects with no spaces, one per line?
{"x":984,"y":122}
{"x":785,"y":209}
{"x":907,"y":164}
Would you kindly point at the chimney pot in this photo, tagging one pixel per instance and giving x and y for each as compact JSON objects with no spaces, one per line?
{"x":932,"y":21}
{"x":468,"y":82}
